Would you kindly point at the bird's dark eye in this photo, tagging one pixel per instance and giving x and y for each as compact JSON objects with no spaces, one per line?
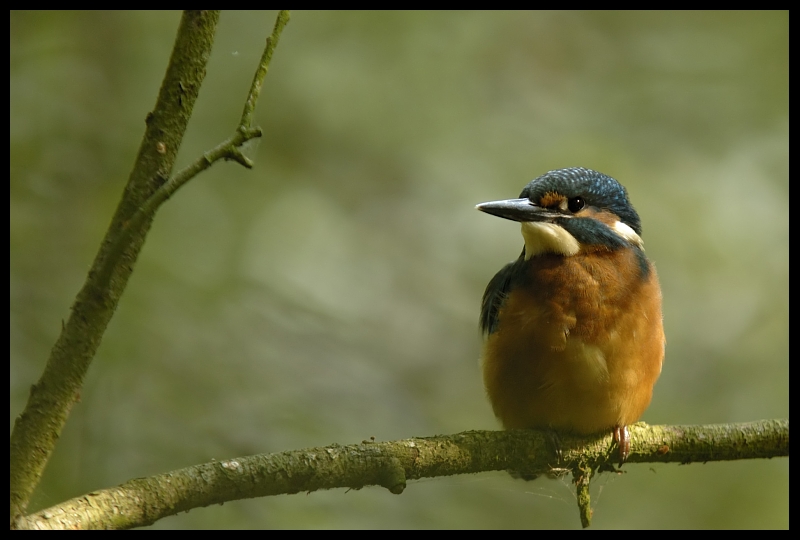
{"x":576,"y":204}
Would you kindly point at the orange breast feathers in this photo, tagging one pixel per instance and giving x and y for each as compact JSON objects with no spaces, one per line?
{"x":578,"y":344}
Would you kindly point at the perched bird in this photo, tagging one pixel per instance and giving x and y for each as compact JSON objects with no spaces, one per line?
{"x":574,"y":333}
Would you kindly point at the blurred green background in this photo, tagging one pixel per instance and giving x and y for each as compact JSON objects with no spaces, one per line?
{"x":332,"y":293}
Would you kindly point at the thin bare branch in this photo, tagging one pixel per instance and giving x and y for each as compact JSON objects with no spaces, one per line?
{"x":37,"y":429}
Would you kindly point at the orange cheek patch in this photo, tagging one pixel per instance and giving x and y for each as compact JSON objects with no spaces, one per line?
{"x":603,"y":216}
{"x":551,"y":200}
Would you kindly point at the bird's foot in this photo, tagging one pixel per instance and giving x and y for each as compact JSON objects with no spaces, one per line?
{"x":555,"y":444}
{"x":623,"y":439}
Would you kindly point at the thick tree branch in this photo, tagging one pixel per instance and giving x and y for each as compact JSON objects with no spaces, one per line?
{"x":37,"y":429}
{"x":390,"y":464}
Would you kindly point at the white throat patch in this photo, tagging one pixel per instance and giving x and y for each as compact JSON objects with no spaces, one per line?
{"x":547,"y":238}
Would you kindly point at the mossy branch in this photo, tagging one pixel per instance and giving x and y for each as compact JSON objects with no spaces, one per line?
{"x":391,"y":464}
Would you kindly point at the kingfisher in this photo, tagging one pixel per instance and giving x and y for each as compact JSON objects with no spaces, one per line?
{"x":574,"y":336}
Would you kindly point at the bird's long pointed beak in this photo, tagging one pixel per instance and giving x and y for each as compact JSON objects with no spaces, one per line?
{"x":515,"y":210}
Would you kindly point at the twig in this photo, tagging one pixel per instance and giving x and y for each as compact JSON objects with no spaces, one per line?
{"x":37,"y":429}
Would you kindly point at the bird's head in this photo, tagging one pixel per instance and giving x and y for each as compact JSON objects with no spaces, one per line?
{"x":569,"y":210}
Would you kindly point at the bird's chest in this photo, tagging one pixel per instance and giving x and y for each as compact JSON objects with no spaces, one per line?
{"x":579,"y":297}
{"x":578,"y":344}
